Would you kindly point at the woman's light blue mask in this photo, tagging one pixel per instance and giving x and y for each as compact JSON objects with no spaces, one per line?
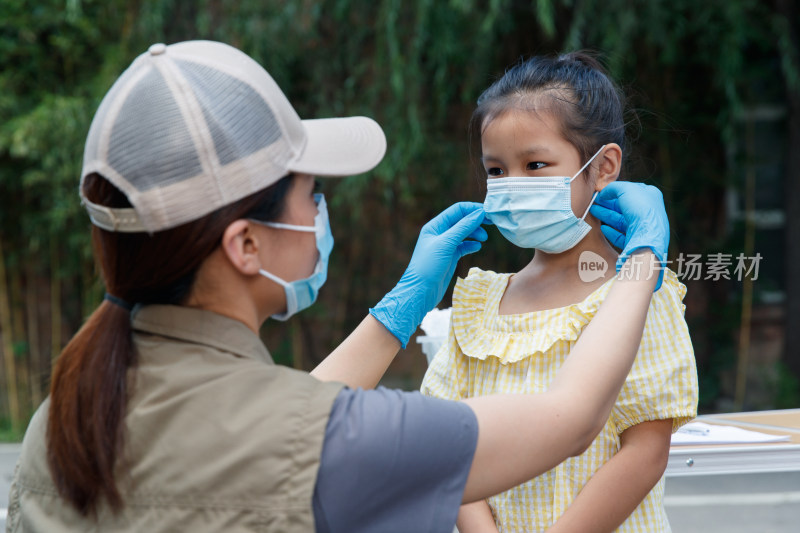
{"x":301,"y":293}
{"x":536,"y":212}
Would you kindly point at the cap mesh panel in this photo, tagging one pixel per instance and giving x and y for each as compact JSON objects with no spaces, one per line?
{"x":92,"y":148}
{"x":163,"y":155}
{"x":239,"y":120}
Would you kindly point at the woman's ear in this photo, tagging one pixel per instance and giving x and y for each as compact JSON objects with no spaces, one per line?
{"x":609,"y":166}
{"x":240,"y":245}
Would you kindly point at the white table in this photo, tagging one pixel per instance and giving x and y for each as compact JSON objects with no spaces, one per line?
{"x":742,"y":458}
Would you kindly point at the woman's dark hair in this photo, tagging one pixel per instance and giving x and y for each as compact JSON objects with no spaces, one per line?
{"x":574,"y":87}
{"x":90,"y":383}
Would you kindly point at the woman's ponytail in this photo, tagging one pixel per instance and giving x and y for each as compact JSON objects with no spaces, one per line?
{"x":88,"y":397}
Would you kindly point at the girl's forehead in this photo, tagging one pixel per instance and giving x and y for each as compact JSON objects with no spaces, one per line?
{"x":522,"y":133}
{"x":532,"y":118}
{"x":522,"y":125}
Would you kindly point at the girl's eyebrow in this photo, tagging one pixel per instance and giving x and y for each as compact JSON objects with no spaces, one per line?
{"x":489,"y":157}
{"x":535,"y":149}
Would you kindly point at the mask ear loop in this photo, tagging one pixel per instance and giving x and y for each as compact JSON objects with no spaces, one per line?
{"x":293,"y":227}
{"x":320,"y":201}
{"x":587,"y":163}
{"x":590,"y":205}
{"x":579,"y":173}
{"x":273,"y":277}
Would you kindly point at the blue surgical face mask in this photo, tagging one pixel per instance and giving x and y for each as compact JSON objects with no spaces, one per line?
{"x":536,"y":212}
{"x":301,"y":293}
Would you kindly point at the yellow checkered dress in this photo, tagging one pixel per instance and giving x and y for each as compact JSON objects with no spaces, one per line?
{"x":487,"y":353}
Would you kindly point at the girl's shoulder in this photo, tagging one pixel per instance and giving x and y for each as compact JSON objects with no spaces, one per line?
{"x":472,"y":319}
{"x":667,"y":302}
{"x":672,"y":281}
{"x":477,"y":287}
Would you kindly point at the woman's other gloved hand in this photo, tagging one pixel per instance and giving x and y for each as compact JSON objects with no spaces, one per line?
{"x":634,"y":217}
{"x":444,"y":240}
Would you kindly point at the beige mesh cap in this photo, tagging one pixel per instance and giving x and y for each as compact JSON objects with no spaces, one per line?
{"x":191,"y":127}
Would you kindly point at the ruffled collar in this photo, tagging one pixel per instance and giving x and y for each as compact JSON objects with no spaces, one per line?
{"x":481,"y":332}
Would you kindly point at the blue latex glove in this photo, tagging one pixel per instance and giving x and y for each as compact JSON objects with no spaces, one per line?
{"x":635,"y":218}
{"x":440,"y":245}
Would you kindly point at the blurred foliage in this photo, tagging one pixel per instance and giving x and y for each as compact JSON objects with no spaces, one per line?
{"x":787,"y":395}
{"x":417,"y":67}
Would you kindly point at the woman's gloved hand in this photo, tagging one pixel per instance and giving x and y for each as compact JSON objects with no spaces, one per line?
{"x":440,"y":245}
{"x":634,"y":217}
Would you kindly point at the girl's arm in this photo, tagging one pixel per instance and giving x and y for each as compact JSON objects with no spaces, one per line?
{"x":522,"y":436}
{"x":620,"y":485}
{"x":476,"y":517}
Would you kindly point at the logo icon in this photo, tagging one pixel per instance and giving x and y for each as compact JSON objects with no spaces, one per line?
{"x":591,"y":266}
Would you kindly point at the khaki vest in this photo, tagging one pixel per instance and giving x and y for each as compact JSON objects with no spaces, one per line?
{"x":218,"y":437}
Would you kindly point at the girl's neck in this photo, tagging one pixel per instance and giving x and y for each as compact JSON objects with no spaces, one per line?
{"x":551,"y":281}
{"x":551,"y":266}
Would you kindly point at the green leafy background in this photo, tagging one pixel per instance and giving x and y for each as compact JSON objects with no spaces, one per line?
{"x":691,"y":71}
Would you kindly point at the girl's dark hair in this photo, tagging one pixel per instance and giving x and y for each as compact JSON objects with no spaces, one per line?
{"x":90,"y":383}
{"x":573,"y":86}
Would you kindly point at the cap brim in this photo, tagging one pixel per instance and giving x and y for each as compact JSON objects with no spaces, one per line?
{"x":340,"y":147}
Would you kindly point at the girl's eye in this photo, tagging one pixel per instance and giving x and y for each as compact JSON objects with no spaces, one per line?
{"x":536,"y":165}
{"x":494,"y":171}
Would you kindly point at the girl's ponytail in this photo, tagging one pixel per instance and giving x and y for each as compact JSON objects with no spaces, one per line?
{"x":88,"y":398}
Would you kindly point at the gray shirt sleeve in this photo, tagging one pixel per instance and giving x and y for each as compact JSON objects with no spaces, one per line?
{"x":393,"y":461}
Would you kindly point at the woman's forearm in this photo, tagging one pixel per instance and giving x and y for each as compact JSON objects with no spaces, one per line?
{"x":476,"y":517}
{"x":592,"y":376}
{"x":523,"y":436}
{"x":363,"y":357}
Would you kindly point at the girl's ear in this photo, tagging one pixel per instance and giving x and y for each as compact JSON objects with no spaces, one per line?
{"x":609,"y":166}
{"x":240,"y":245}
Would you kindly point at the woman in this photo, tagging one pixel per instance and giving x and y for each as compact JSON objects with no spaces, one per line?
{"x":166,"y":412}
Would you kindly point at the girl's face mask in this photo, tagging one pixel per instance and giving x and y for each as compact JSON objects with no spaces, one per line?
{"x":301,"y":293}
{"x":536,"y":212}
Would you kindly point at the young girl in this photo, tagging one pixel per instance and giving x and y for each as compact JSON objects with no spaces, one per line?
{"x":551,"y":132}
